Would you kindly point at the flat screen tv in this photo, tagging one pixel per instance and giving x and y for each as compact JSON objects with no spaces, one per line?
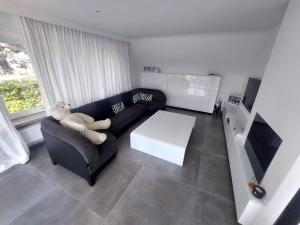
{"x":261,"y":145}
{"x":250,"y":93}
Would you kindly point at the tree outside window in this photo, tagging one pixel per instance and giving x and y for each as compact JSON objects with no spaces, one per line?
{"x":18,"y":84}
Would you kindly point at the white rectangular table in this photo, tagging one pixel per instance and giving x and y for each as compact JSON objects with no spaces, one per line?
{"x":164,"y":135}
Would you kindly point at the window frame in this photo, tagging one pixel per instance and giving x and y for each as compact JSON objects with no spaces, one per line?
{"x":28,"y":112}
{"x":20,"y":114}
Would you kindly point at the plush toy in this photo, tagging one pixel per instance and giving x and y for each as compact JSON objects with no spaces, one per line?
{"x":80,"y":122}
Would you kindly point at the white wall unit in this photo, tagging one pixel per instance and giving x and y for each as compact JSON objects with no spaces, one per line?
{"x":194,"y":92}
{"x":247,"y":206}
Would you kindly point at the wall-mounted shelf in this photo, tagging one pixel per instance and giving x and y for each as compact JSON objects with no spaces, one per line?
{"x":247,"y":206}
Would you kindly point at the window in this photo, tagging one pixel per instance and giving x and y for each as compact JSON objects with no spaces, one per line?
{"x":18,"y":84}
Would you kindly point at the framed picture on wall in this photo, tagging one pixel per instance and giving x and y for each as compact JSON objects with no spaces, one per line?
{"x":234,"y":99}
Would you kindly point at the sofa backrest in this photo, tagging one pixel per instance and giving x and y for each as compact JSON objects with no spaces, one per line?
{"x":99,"y":110}
{"x":102,"y":109}
{"x":125,"y":97}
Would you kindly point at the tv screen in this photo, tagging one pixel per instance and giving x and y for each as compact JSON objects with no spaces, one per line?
{"x":250,"y":93}
{"x":261,"y":145}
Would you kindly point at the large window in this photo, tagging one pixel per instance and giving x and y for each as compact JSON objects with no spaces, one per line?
{"x":18,"y":84}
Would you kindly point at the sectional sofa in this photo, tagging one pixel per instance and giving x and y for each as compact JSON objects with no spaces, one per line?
{"x":76,"y":153}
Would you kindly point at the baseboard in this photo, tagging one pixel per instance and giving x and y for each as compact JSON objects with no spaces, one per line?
{"x":36,"y":144}
{"x":191,"y":110}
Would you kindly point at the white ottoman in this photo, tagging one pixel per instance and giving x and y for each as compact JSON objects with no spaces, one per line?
{"x":164,"y":135}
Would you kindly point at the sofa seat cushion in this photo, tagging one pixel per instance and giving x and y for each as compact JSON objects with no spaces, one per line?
{"x":152,"y":107}
{"x":106,"y":150}
{"x":124,"y":119}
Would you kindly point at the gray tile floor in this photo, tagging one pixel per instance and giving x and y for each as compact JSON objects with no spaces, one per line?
{"x":135,"y":189}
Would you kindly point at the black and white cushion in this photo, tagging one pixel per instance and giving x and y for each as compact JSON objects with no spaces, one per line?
{"x":136,"y":98}
{"x":146,"y":97}
{"x":118,"y":107}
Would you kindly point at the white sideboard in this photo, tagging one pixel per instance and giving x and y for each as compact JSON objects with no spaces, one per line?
{"x":247,"y":206}
{"x":196,"y":92}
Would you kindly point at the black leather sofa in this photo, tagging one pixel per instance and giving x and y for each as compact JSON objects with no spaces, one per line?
{"x":76,"y":153}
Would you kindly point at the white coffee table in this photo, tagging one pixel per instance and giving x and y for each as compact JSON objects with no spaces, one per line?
{"x":164,"y":135}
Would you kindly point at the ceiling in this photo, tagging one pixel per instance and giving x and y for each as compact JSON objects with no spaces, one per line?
{"x":145,"y":18}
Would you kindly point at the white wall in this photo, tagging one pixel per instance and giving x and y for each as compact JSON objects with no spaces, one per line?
{"x":233,"y":55}
{"x":31,"y":134}
{"x":135,"y":72}
{"x":9,"y":29}
{"x":278,"y":102}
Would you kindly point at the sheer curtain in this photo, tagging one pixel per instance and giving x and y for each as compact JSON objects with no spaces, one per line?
{"x":75,"y":66}
{"x":13,"y":149}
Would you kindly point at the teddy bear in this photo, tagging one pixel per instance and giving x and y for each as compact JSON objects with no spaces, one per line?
{"x":81,"y":122}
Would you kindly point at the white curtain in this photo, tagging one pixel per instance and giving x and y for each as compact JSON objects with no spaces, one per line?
{"x":74,"y":66}
{"x":13,"y":149}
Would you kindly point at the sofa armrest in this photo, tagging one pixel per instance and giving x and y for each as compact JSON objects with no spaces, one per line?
{"x":74,"y":139}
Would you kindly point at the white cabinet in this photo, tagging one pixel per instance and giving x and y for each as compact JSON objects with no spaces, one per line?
{"x":194,"y":92}
{"x":175,"y":91}
{"x":155,"y":81}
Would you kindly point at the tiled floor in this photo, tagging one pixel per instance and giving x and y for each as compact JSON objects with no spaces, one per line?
{"x":135,"y":189}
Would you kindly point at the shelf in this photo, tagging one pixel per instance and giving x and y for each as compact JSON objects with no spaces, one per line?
{"x":247,"y":206}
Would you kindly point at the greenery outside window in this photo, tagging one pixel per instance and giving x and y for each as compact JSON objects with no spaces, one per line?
{"x":18,"y":84}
